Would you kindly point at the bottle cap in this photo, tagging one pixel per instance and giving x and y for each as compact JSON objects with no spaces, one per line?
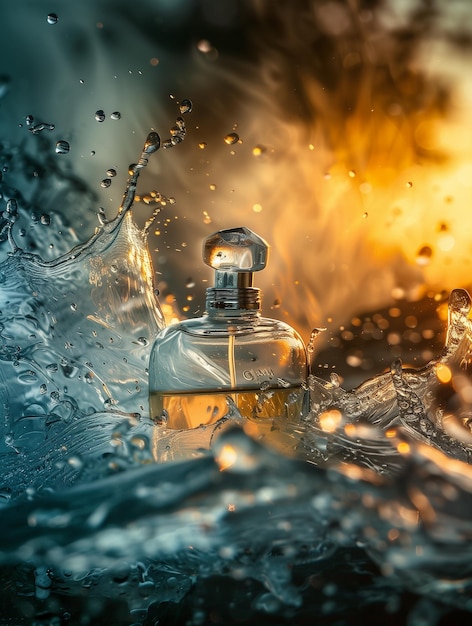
{"x":234,"y":254}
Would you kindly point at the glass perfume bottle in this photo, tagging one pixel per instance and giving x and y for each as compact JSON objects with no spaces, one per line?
{"x":231,"y":351}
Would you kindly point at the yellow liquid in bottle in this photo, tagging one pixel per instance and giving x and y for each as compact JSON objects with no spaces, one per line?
{"x":190,"y":410}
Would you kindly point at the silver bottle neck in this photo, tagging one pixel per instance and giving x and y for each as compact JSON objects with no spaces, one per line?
{"x":233,"y":291}
{"x":233,"y":299}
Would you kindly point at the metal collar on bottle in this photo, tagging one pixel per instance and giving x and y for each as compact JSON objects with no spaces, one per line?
{"x":246,"y":299}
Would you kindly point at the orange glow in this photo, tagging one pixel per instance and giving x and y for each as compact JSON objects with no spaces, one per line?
{"x":330,"y":420}
{"x":350,"y":430}
{"x":403,"y":448}
{"x":443,"y":373}
{"x":226,"y":458}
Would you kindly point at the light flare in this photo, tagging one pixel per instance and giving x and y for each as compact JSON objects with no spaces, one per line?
{"x":330,"y":420}
{"x":227,"y":457}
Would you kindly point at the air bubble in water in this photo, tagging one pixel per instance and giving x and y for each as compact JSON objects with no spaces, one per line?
{"x":106,"y":182}
{"x":52,"y":18}
{"x":185,"y":106}
{"x":116,"y":115}
{"x":231,"y":138}
{"x":100,"y":115}
{"x":62,"y":147}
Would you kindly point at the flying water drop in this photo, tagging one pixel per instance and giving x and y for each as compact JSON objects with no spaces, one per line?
{"x":231,"y":139}
{"x":152,"y":143}
{"x":52,"y":18}
{"x":37,"y":128}
{"x":186,"y":106}
{"x":116,"y":115}
{"x":100,"y":115}
{"x":62,"y":147}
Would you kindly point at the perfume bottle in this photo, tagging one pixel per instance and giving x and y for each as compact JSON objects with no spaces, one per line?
{"x":231,"y":351}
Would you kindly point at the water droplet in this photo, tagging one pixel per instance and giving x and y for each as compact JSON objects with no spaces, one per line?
{"x":106,"y":182}
{"x":28,"y":377}
{"x":62,"y":147}
{"x":82,"y":81}
{"x":213,"y":187}
{"x":205,"y":46}
{"x":352,"y":174}
{"x":190,"y":283}
{"x":73,"y":306}
{"x":139,"y":442}
{"x":29,"y":119}
{"x":121,"y":572}
{"x":152,"y":143}
{"x":35,"y":130}
{"x":45,"y":219}
{"x":116,"y":115}
{"x":12,"y":206}
{"x":43,"y":389}
{"x":185,"y":106}
{"x":100,"y":115}
{"x":92,"y":152}
{"x":409,"y":184}
{"x":75,"y":461}
{"x":52,"y":18}
{"x":111,"y":172}
{"x":231,"y":138}
{"x":424,"y":255}
{"x":202,"y":145}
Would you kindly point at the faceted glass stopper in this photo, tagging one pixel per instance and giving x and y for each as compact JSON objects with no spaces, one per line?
{"x":235,"y":250}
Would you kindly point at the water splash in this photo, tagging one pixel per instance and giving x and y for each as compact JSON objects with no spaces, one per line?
{"x":375,"y":480}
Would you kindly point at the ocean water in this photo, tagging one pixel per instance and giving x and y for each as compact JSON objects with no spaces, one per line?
{"x":358,"y":512}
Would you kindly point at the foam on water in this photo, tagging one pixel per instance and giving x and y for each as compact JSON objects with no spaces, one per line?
{"x":113,"y":517}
